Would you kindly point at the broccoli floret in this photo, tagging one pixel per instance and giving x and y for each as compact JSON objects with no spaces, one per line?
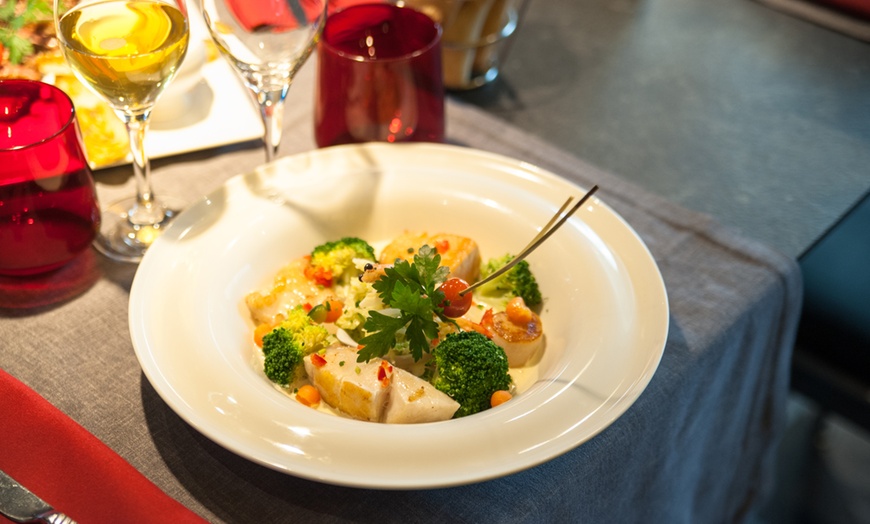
{"x":469,"y":368}
{"x":286,"y":345}
{"x":283,"y":356}
{"x":333,"y":261}
{"x":518,"y":281}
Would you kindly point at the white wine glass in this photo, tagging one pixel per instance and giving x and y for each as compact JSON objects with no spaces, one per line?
{"x":127,"y":52}
{"x":267,"y":42}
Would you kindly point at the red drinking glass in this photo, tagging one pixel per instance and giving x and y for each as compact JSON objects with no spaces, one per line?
{"x":379,"y":77}
{"x":48,"y":203}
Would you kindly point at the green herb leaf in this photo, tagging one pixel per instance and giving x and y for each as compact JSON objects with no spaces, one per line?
{"x":412,"y":288}
{"x":7,"y":11}
{"x":37,"y":7}
{"x":34,"y":10}
{"x":382,"y":331}
{"x":18,"y":47}
{"x":410,"y":301}
{"x":428,"y":265}
{"x":419,"y":333}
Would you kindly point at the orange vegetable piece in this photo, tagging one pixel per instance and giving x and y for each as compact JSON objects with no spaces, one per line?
{"x":328,"y":311}
{"x":260,"y":331}
{"x":518,"y":312}
{"x":499,"y":397}
{"x":333,"y":309}
{"x":308,"y":396}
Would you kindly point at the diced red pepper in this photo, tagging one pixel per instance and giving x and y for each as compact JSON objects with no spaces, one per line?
{"x":319,"y":275}
{"x":318,"y":360}
{"x":442,"y":246}
{"x":384,"y":372}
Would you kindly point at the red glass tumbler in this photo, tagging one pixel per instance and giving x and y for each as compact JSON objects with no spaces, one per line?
{"x":379,"y":77}
{"x":48,"y":204}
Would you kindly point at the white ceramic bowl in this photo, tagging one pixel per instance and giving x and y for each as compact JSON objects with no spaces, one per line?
{"x":605,"y":314}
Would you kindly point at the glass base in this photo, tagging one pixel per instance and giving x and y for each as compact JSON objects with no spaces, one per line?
{"x":123,"y":240}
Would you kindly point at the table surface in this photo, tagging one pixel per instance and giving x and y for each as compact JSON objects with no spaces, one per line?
{"x":696,"y":446}
{"x":730,"y":109}
{"x":755,"y":117}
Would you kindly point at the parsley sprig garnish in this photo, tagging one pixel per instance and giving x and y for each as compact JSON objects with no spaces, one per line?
{"x":13,"y":21}
{"x":413,"y":289}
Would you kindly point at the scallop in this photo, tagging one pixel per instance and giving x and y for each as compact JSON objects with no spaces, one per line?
{"x":520,"y":341}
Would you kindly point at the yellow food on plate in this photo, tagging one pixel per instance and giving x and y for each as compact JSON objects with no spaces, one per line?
{"x":290,"y":288}
{"x":105,"y":139}
{"x":103,"y":133}
{"x":459,"y":253}
{"x":390,"y":338}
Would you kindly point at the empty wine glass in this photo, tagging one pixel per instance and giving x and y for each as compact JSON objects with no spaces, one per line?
{"x":127,"y":52}
{"x":266,"y":41}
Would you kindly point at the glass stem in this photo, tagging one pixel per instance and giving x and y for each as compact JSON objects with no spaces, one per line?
{"x":271,"y":103}
{"x":146,"y":211}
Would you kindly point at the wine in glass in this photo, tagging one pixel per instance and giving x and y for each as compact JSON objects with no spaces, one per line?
{"x":48,"y":204}
{"x":266,"y":41}
{"x":127,"y":52}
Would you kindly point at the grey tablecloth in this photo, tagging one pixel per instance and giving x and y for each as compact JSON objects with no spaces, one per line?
{"x":696,"y":447}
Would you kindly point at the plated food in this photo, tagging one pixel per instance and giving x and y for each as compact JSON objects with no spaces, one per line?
{"x":29,"y":49}
{"x":32,"y":52}
{"x":605,"y":311}
{"x":397,"y":337}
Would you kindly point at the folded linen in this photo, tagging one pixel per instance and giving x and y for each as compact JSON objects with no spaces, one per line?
{"x":68,"y":467}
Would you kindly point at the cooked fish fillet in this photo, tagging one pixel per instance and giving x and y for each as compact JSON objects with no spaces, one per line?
{"x":357,"y":389}
{"x":413,"y":400}
{"x":460,"y":254}
{"x":290,"y":288}
{"x":376,"y":390}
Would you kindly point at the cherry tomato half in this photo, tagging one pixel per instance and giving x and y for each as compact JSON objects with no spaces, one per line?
{"x":455,"y":305}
